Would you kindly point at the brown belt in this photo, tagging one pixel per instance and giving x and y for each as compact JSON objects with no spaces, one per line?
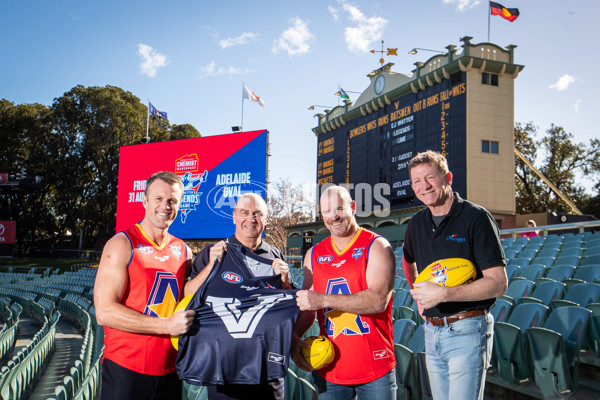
{"x":437,"y":321}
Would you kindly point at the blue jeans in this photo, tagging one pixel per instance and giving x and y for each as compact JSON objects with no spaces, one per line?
{"x":383,"y":388}
{"x":458,"y":356}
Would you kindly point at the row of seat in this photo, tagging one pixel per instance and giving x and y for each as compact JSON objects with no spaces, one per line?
{"x":545,"y":351}
{"x":83,"y":380}
{"x":582,"y":237}
{"x":46,"y":294}
{"x":10,"y":314}
{"x":21,"y":372}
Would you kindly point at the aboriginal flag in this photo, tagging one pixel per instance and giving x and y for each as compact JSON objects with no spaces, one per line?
{"x":509,"y":14}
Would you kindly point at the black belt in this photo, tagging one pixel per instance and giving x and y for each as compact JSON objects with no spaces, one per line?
{"x":439,"y":321}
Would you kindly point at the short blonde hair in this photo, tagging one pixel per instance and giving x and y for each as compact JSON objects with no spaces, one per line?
{"x":429,"y":157}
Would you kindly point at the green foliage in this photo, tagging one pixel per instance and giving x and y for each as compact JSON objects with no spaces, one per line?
{"x":74,"y":146}
{"x":562,"y":161}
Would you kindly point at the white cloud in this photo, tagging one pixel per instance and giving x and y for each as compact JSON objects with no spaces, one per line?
{"x":563,"y":82}
{"x":367,"y":30}
{"x":152,"y":60}
{"x":462,"y":5}
{"x":577,"y":103}
{"x":244,"y":38}
{"x":294,"y":40}
{"x":211,"y":69}
{"x":334,"y":12}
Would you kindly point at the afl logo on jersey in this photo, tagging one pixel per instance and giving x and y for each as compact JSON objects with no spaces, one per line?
{"x":145,"y":249}
{"x":231,"y":277}
{"x":325,"y":259}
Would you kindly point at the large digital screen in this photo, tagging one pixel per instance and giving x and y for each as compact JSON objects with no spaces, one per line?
{"x":215,"y":171}
{"x":371,"y":153}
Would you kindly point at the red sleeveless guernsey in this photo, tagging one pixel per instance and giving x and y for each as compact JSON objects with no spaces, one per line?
{"x":364,"y":344}
{"x":156,"y":277}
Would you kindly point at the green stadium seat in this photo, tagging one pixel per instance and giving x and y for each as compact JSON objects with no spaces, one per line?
{"x":194,"y":392}
{"x":567,"y":260}
{"x":407,"y":373}
{"x":501,"y":310}
{"x":512,"y":271}
{"x":522,"y":240}
{"x":593,"y":337}
{"x":521,"y":262}
{"x":560,"y":272}
{"x":403,"y":330}
{"x":510,"y":341}
{"x":528,"y":253}
{"x":516,"y":289}
{"x":402,"y":298}
{"x":554,"y":350}
{"x":570,"y":283}
{"x":548,"y":252}
{"x":545,"y":293}
{"x":580,"y":295}
{"x":547,"y":261}
{"x":532,"y":272}
{"x":536,"y":240}
{"x":590,"y":259}
{"x":588,"y":273}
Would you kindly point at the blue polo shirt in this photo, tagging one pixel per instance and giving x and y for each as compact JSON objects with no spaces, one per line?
{"x":468,"y":231}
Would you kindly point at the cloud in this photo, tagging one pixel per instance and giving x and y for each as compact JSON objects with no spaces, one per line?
{"x":152,"y":60}
{"x":244,"y":38}
{"x":577,"y":103}
{"x":367,"y":30}
{"x":563,"y":82}
{"x":211,"y":69}
{"x":334,"y":12}
{"x":294,"y":40}
{"x":462,"y":5}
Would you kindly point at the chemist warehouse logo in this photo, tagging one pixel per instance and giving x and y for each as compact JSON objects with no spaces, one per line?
{"x":228,"y":187}
{"x":187,"y":165}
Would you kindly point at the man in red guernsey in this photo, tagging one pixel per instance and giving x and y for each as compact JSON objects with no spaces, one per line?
{"x":140,"y":278}
{"x":348,"y":281}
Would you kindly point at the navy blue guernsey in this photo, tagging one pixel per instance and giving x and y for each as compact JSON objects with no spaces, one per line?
{"x":242,"y":329}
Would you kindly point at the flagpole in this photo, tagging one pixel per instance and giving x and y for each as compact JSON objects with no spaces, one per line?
{"x":243,"y":89}
{"x":489,"y":16}
{"x":148,"y":122}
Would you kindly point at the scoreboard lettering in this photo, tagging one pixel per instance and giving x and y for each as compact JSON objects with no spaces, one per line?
{"x":375,"y":149}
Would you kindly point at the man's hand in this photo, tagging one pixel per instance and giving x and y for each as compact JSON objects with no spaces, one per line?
{"x":309,"y":300}
{"x":216,"y":252}
{"x":180,"y":322}
{"x":296,"y":352}
{"x":281,"y":268}
{"x":428,"y":295}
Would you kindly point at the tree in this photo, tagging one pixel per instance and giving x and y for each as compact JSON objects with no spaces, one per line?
{"x":74,"y":146}
{"x":562,"y":161}
{"x":288,"y":205}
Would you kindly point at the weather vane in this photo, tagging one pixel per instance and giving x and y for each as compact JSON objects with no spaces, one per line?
{"x":390,"y":52}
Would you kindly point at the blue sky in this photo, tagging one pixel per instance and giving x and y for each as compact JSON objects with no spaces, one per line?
{"x":189,"y":58}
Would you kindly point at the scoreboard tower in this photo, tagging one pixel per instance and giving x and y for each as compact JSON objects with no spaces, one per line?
{"x":460,"y":103}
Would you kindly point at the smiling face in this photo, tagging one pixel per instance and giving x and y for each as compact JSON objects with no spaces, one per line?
{"x":162,"y":201}
{"x":338,"y":209}
{"x":431,"y":186}
{"x":250,"y":218}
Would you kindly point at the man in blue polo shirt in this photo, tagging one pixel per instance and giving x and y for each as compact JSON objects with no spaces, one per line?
{"x":458,"y":328}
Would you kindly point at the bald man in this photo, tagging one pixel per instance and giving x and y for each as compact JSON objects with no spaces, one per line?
{"x":348,"y":282}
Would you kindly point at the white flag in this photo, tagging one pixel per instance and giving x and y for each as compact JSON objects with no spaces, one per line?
{"x":250,"y":95}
